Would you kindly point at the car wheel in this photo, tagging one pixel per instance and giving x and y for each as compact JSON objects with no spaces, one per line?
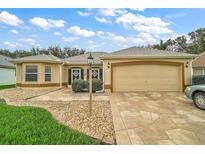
{"x":199,"y":100}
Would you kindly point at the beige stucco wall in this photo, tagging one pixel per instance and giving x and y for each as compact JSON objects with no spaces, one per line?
{"x":107,"y":71}
{"x":55,"y":73}
{"x":18,"y":73}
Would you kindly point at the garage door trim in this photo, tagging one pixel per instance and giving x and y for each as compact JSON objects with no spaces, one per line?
{"x":148,"y":63}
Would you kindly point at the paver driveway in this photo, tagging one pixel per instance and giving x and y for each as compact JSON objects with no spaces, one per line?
{"x":157,"y":118}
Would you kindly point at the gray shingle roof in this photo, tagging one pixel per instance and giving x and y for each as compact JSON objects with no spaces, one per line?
{"x":38,"y":58}
{"x":147,"y":52}
{"x":4,"y":62}
{"x":82,"y":59}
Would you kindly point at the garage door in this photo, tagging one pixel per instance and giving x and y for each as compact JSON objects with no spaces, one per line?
{"x":147,"y":77}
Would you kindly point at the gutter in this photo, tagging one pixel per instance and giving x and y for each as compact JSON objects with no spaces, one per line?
{"x":147,"y":56}
{"x":8,"y":67}
{"x":34,"y":61}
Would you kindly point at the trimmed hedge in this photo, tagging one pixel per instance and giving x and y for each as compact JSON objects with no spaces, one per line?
{"x":198,"y":79}
{"x":79,"y":85}
{"x":83,"y":85}
{"x":97,"y":85}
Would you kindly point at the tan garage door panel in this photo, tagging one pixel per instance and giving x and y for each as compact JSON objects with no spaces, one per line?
{"x":147,"y":78}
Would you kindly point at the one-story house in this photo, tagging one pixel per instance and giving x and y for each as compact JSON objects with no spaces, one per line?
{"x":199,"y":65}
{"x":7,"y":71}
{"x":127,"y":70}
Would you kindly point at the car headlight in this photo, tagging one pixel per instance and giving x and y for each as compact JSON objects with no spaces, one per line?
{"x":188,"y":89}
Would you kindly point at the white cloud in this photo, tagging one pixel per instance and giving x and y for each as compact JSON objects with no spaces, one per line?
{"x":91,"y":42}
{"x":14,"y":31}
{"x":76,"y":30}
{"x":112,"y":12}
{"x":84,"y":14}
{"x":9,"y":44}
{"x":118,"y":39}
{"x":100,"y":34}
{"x":28,"y":40}
{"x":57,"y":33}
{"x":111,"y":36}
{"x":138,"y":9}
{"x":10,"y":19}
{"x":70,"y":39}
{"x":139,"y":39}
{"x":94,"y":46}
{"x":130,"y":19}
{"x":152,"y":29}
{"x":142,"y":24}
{"x":148,"y":38}
{"x":47,"y":23}
{"x":102,"y":20}
{"x":104,"y":35}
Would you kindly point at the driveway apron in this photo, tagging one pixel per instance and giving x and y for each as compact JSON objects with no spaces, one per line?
{"x":156,"y":118}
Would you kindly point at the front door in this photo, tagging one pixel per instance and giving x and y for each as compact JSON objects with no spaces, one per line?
{"x":75,"y":74}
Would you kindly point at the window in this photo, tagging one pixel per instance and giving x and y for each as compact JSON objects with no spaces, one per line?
{"x":199,"y":72}
{"x":31,"y":73}
{"x":47,"y":73}
{"x":95,"y":73}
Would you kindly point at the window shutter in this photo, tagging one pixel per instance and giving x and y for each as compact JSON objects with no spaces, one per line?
{"x":88,"y":74}
{"x":82,"y":74}
{"x":101,"y":74}
{"x":69,"y":77}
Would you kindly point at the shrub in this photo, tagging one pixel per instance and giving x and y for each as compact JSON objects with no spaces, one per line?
{"x":79,"y":85}
{"x":83,"y":85}
{"x":198,"y":79}
{"x":97,"y":85}
{"x":2,"y":101}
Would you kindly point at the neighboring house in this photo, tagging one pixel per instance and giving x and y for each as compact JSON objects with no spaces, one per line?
{"x":132,"y":69}
{"x":7,"y":71}
{"x":199,"y":65}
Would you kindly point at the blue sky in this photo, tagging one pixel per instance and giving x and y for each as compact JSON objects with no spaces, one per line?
{"x":94,"y":29}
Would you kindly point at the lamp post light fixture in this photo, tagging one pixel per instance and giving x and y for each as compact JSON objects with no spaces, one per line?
{"x":90,"y":62}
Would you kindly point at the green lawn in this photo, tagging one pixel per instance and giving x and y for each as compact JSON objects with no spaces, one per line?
{"x":7,"y":86}
{"x":32,"y":125}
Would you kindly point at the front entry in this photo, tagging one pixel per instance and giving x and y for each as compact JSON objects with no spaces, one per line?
{"x":75,"y":74}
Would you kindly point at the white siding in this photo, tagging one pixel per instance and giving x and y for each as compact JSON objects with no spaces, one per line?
{"x":7,"y":76}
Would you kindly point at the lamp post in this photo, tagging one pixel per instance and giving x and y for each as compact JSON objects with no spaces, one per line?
{"x":90,"y":62}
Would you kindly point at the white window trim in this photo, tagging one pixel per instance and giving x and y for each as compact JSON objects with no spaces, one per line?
{"x":31,"y":73}
{"x":72,"y":70}
{"x":98,"y":70}
{"x":47,"y":73}
{"x":203,"y":71}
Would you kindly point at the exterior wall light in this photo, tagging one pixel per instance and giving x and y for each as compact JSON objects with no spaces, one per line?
{"x":108,"y":65}
{"x":187,"y":64}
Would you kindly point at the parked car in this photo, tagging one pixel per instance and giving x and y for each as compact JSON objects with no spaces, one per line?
{"x":197,"y":94}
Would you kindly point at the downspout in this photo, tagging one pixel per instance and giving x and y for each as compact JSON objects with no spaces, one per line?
{"x":61,"y":75}
{"x":191,"y":71}
{"x":16,"y":74}
{"x":103,"y":74}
